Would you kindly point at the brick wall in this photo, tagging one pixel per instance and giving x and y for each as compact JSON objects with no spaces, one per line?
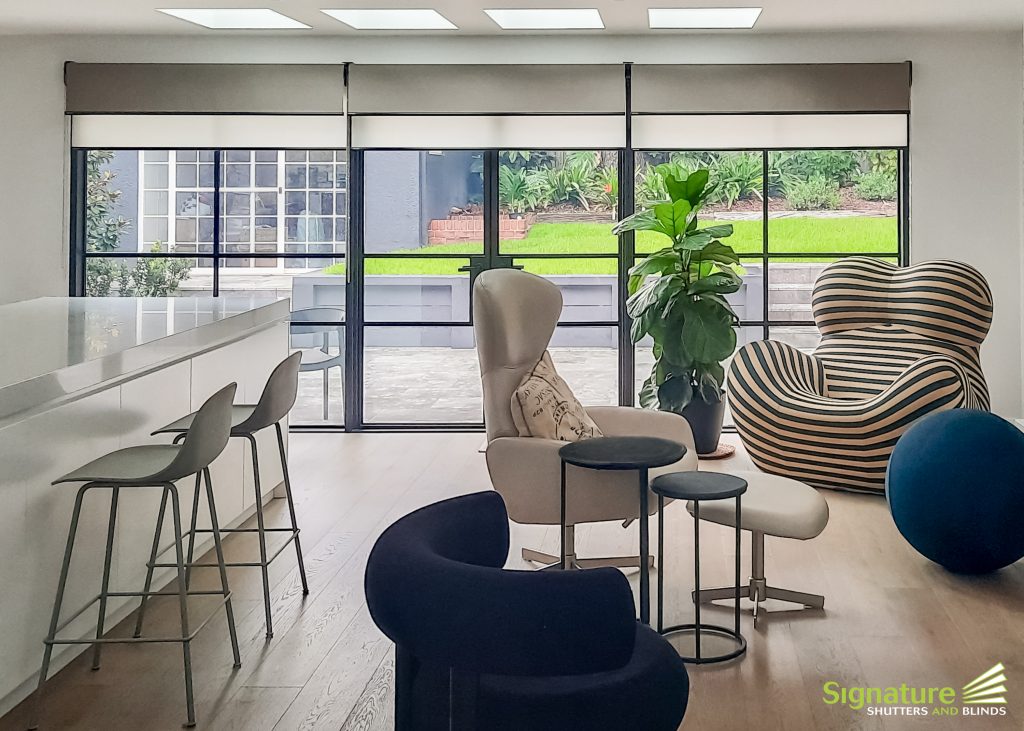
{"x":471,"y":228}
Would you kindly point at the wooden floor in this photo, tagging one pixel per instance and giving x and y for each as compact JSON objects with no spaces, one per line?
{"x":891,"y":617}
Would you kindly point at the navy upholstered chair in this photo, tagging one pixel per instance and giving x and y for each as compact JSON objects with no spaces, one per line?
{"x":482,"y":647}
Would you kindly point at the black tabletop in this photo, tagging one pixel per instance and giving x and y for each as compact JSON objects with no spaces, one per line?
{"x":699,"y":485}
{"x":622,"y":453}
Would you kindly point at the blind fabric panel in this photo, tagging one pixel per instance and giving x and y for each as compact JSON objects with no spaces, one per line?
{"x":207,"y":131}
{"x":782,"y":88}
{"x":139,"y":88}
{"x":472,"y":132}
{"x":732,"y":131}
{"x":486,"y":89}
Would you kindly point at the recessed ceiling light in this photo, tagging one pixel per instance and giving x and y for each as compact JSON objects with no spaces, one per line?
{"x":703,"y":17}
{"x":236,"y":18}
{"x":392,"y":19}
{"x":547,"y":18}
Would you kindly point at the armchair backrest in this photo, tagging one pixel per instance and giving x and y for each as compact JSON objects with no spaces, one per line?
{"x":514,"y":317}
{"x":435,"y":585}
{"x":944,"y":300}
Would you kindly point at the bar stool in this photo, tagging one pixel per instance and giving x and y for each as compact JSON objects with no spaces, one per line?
{"x":150,"y":466}
{"x":274,"y":403}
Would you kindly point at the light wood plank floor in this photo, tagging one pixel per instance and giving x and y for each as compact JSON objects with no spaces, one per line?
{"x":891,"y":617}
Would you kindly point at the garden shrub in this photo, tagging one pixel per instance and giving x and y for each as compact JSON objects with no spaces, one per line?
{"x":837,"y":165}
{"x":815,"y":193}
{"x":877,"y":185}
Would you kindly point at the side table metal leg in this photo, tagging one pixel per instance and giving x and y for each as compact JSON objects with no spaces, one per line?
{"x":645,"y":539}
{"x":561,"y":537}
{"x":661,"y":563}
{"x":737,"y":582}
{"x":696,"y":578}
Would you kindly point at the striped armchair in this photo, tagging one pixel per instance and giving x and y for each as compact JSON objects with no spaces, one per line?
{"x":896,"y":344}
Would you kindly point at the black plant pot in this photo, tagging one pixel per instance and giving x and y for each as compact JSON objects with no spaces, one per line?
{"x":706,"y":422}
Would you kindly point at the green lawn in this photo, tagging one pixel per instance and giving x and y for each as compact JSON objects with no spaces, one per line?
{"x":862,"y":234}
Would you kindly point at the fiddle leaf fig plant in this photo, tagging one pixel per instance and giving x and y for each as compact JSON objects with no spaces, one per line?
{"x":677,"y":294}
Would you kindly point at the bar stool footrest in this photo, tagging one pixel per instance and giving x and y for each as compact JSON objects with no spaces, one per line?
{"x":134,"y":640}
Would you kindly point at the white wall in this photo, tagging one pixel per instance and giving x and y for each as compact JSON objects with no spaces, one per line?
{"x":966,"y":134}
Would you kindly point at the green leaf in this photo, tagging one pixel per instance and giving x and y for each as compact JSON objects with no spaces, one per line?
{"x":660,"y":262}
{"x":675,"y":393}
{"x":693,"y":242}
{"x":720,"y":231}
{"x":695,"y":185}
{"x":723,"y":282}
{"x":640,"y":221}
{"x":707,"y":331}
{"x":649,"y":394}
{"x":673,"y":216}
{"x":676,"y":188}
{"x":718,"y":252}
{"x":710,"y":377}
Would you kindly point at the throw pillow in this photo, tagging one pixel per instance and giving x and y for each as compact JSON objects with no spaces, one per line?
{"x":544,"y":406}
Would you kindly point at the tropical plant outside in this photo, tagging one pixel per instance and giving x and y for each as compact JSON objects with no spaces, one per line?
{"x":677,"y":295}
{"x":106,"y":276}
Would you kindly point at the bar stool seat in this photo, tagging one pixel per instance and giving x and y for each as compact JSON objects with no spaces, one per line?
{"x":240,"y":413}
{"x":273,"y":406}
{"x":128,"y":465}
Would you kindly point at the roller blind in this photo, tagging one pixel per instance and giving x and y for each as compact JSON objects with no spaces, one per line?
{"x":726,"y":131}
{"x":140,"y":131}
{"x":104,"y":88}
{"x":771,"y":88}
{"x":486,"y":89}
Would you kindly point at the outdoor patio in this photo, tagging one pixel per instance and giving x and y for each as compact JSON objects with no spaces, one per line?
{"x":442,"y":385}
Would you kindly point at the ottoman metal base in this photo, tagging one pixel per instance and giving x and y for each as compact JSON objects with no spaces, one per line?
{"x":758,"y":589}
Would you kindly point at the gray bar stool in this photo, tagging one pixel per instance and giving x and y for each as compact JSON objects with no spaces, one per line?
{"x":275,"y":402}
{"x":154,"y":465}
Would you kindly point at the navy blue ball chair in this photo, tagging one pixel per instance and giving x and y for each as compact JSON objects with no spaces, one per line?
{"x":482,"y":647}
{"x":955,"y":487}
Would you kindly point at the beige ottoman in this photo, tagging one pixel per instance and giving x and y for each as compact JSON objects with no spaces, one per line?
{"x":774,"y":506}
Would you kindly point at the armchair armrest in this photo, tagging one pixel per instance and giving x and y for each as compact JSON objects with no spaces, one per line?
{"x":622,"y":421}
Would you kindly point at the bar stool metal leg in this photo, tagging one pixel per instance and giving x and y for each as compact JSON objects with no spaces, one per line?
{"x":186,"y":647}
{"x":57,"y":603}
{"x":192,"y":533}
{"x":215,"y":527}
{"x":150,"y":565}
{"x":105,"y":585}
{"x":261,"y":533}
{"x":291,"y":507}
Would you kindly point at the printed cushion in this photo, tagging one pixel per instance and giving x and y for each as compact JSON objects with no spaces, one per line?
{"x":544,"y":406}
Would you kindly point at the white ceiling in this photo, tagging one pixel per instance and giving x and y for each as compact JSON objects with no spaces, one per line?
{"x":620,"y":16}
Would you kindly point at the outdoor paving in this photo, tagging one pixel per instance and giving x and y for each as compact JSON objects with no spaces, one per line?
{"x":442,"y":385}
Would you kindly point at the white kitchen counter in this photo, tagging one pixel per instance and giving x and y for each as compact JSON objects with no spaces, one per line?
{"x":83,"y":377}
{"x":59,"y":348}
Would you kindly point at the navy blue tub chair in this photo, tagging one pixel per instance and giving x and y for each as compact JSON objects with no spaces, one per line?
{"x":482,"y":647}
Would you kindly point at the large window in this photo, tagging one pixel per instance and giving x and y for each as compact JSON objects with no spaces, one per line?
{"x":267,"y":222}
{"x":793,"y":212}
{"x":233,"y":221}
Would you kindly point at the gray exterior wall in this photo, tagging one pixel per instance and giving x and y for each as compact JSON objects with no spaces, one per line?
{"x":405,"y":189}
{"x":125,"y":168}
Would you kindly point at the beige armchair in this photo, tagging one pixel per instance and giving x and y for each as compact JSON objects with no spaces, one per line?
{"x":515,"y":314}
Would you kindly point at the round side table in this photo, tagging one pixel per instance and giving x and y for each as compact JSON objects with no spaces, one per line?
{"x":624,"y":453}
{"x":698,"y":486}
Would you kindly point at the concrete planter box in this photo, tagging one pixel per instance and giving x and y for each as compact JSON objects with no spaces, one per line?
{"x":442,"y":298}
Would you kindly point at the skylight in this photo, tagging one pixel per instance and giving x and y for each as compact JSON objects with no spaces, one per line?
{"x":547,"y":18}
{"x":703,"y":18}
{"x":235,"y":18}
{"x":392,"y":19}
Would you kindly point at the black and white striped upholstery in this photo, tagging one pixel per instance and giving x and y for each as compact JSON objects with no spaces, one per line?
{"x":897,"y":343}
